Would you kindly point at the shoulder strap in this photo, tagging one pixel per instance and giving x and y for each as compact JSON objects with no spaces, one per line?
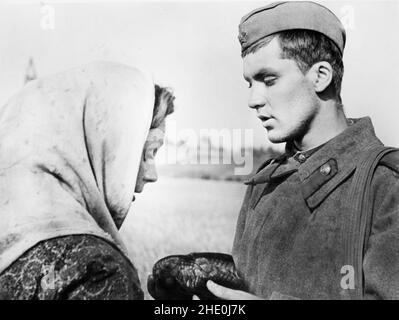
{"x":391,"y":160}
{"x":361,"y":207}
{"x":389,"y":157}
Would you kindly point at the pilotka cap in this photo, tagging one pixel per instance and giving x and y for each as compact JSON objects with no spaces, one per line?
{"x":282,"y":16}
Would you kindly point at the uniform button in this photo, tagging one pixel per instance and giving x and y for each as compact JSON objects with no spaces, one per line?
{"x":301,"y":158}
{"x":325,"y":169}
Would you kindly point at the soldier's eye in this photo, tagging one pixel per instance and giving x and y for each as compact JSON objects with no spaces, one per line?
{"x":270,"y":81}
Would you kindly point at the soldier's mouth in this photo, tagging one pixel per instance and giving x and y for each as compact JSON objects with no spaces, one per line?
{"x":263,"y":118}
{"x":267,"y":123}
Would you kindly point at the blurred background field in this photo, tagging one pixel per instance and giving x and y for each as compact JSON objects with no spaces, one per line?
{"x":179,"y":216}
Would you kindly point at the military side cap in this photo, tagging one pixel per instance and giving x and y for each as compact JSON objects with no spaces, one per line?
{"x":282,"y":16}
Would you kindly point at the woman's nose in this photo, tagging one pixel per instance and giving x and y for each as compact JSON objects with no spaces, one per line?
{"x":151,"y":175}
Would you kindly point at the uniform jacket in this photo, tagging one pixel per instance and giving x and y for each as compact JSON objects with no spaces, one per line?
{"x":292,"y":227}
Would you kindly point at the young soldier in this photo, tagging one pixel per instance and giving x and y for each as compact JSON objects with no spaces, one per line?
{"x":297,"y":234}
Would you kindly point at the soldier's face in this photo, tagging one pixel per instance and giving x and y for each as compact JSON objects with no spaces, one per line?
{"x":284,"y":98}
{"x":147,"y":171}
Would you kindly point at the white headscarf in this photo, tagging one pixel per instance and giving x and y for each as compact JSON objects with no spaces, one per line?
{"x":70,"y":150}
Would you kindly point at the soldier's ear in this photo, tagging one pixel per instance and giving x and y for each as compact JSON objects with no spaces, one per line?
{"x":321,"y":74}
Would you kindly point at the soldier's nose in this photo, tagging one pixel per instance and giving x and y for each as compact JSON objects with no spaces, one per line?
{"x":256,"y":101}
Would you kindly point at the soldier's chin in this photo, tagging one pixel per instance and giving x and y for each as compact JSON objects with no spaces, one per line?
{"x":275,"y":136}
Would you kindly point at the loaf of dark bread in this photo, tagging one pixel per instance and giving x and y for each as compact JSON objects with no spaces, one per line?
{"x":179,"y":277}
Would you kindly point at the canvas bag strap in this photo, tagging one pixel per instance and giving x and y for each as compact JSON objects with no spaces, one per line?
{"x":361,"y":206}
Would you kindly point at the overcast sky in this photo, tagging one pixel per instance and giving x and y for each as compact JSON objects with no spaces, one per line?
{"x":193,"y":48}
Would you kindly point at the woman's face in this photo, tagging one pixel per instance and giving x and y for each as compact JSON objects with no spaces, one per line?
{"x":147,"y":171}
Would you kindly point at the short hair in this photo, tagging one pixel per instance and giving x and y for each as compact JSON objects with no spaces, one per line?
{"x":307,"y":47}
{"x":163,"y":105}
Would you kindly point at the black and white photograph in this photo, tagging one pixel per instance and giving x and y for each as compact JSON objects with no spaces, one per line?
{"x":199,"y":150}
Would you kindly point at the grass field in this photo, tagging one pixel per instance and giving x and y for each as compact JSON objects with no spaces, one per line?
{"x":178,"y":216}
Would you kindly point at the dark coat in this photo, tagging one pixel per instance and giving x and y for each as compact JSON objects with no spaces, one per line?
{"x":290,"y":236}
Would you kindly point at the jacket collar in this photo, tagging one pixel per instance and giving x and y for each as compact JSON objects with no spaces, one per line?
{"x":345,"y":148}
{"x":323,"y":167}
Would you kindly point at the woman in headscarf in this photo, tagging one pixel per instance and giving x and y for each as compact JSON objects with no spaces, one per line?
{"x":74,"y":147}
